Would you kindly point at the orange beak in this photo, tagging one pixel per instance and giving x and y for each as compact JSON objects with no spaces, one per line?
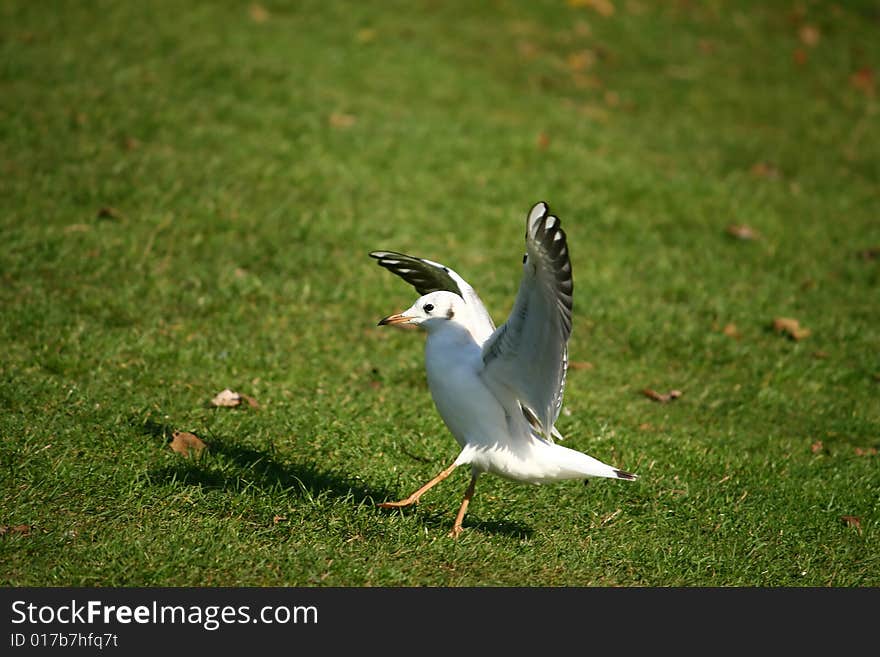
{"x":398,"y":318}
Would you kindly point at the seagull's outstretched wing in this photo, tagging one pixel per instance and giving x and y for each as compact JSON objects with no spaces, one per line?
{"x":528,"y":354}
{"x":427,"y":276}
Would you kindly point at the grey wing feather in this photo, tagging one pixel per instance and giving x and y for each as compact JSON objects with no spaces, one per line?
{"x":427,"y":276}
{"x":528,"y":354}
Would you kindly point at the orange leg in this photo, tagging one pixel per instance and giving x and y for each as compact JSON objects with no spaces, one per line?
{"x":414,"y":498}
{"x":469,"y":493}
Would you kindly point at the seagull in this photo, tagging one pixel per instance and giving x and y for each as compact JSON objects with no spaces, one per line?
{"x":499,"y":390}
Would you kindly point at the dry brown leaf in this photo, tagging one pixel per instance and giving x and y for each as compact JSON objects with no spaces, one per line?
{"x":863,"y":80}
{"x":646,"y":426}
{"x":731,"y":331}
{"x":226,"y":398}
{"x":251,"y":401}
{"x":186,"y":443}
{"x":817,"y":447}
{"x":342,"y":120}
{"x":799,"y":56}
{"x":108,"y":212}
{"x":662,"y":398}
{"x":21,"y":530}
{"x":790,"y":327}
{"x":764,"y":170}
{"x":852,"y":521}
{"x":809,"y":35}
{"x":870,"y":254}
{"x":543,"y":140}
{"x":581,"y":61}
{"x":742,"y":232}
{"x":259,"y":14}
{"x":580,"y":365}
{"x":278,"y":519}
{"x":602,"y":7}
{"x":868,"y":451}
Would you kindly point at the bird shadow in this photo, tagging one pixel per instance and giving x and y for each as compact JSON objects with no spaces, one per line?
{"x":242,"y":467}
{"x":245,"y":467}
{"x":440,"y":520}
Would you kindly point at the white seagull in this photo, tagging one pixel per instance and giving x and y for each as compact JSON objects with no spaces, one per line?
{"x":499,"y":391}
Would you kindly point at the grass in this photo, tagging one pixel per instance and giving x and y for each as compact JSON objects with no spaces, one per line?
{"x":247,"y":157}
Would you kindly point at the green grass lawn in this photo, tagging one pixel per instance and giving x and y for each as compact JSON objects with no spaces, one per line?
{"x":187,"y":198}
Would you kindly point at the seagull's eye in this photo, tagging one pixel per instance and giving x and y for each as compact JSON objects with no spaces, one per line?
{"x":429,"y":307}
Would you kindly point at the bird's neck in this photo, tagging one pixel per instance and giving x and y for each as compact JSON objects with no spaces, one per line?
{"x":450,"y":334}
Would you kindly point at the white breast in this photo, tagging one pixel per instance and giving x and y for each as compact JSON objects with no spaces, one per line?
{"x":467,"y":406}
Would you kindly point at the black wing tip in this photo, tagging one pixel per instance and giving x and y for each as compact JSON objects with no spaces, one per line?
{"x":629,"y":476}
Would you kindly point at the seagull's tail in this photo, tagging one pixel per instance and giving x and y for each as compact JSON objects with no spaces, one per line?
{"x":577,"y":465}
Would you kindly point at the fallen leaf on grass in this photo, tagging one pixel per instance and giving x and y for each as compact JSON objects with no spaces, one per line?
{"x":764,"y":170}
{"x":662,"y":398}
{"x":251,"y":401}
{"x":543,"y":140}
{"x":863,"y":80}
{"x":186,"y":443}
{"x":817,"y":447}
{"x":852,"y":521}
{"x":108,"y":212}
{"x":580,"y":61}
{"x":731,"y":331}
{"x":800,"y":56}
{"x":340,"y":120}
{"x":259,"y":14}
{"x":21,"y":530}
{"x":742,"y":232}
{"x":229,"y":399}
{"x":277,"y":519}
{"x":809,"y":35}
{"x":602,"y":7}
{"x":790,"y":327}
{"x":580,"y":365}
{"x":868,"y":451}
{"x":226,"y":398}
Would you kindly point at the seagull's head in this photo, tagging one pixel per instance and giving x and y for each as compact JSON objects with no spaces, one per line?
{"x":431,"y":312}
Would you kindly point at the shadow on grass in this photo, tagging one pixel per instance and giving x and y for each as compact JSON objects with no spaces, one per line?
{"x":442,"y":520}
{"x":509,"y":528}
{"x":233,"y":467}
